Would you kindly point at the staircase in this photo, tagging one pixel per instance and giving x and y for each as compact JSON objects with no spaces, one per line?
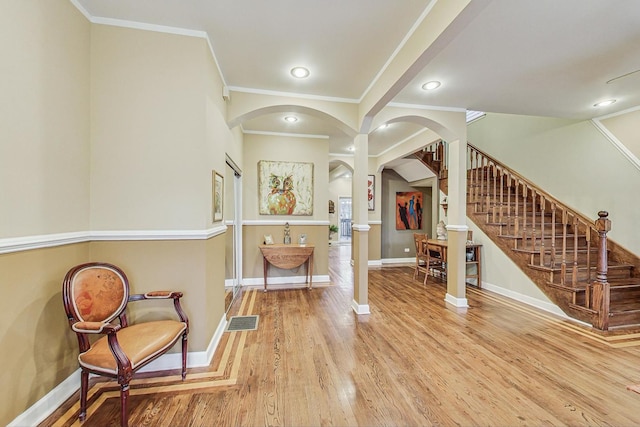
{"x":566,"y":254}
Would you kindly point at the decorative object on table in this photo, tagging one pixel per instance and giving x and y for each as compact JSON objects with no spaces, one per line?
{"x":470,"y":255}
{"x":218,"y":193}
{"x":285,"y":188}
{"x":287,"y":234}
{"x":445,"y":205}
{"x":371,"y":192}
{"x":441,"y":231}
{"x":332,"y":207}
{"x":332,"y":229}
{"x":268,"y":239}
{"x":302,"y":239}
{"x":408,"y":210}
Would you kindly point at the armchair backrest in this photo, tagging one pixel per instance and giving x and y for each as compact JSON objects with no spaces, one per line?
{"x":95,"y":292}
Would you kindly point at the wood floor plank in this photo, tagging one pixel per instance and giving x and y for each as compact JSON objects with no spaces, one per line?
{"x":314,"y":362}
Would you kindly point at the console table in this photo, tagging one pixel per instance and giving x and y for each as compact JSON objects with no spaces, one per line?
{"x":475,"y":259}
{"x":288,"y":257}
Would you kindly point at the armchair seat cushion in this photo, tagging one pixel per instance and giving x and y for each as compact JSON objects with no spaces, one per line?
{"x":140,"y":342}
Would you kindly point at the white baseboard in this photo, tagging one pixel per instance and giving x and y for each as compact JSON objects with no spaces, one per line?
{"x":375,"y":263}
{"x":411,"y":260}
{"x":456,"y":302}
{"x":259,"y":281}
{"x":534,"y":302}
{"x":360,"y":308}
{"x":44,"y":407}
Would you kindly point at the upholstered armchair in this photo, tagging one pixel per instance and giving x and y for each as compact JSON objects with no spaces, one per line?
{"x":94,"y":296}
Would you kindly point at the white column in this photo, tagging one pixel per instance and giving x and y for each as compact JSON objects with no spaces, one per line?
{"x":360,"y":234}
{"x":457,"y":227}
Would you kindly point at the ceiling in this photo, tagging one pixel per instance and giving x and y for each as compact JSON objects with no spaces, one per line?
{"x":532,"y":57}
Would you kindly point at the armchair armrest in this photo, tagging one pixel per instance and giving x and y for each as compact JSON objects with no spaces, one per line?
{"x":174,"y":295}
{"x":95,"y":327}
{"x":156,"y":295}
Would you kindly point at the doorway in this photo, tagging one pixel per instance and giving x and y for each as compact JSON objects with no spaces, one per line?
{"x":233,"y":208}
{"x":345,"y":212}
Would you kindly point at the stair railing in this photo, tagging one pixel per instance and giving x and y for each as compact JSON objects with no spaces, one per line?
{"x":539,"y":224}
{"x":555,"y":235}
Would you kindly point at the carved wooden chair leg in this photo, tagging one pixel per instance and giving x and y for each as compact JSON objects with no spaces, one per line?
{"x":84,"y":387}
{"x":124,"y":397}
{"x":184,"y":357}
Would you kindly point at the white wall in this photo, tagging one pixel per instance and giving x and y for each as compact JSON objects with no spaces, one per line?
{"x":572,"y":161}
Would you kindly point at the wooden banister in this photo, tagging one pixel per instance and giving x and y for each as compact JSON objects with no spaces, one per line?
{"x":554,"y":237}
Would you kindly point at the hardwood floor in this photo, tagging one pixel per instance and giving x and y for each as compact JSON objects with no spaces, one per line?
{"x":313,"y":362}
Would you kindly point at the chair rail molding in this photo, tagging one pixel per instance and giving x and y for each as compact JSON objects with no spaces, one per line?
{"x":26,"y":243}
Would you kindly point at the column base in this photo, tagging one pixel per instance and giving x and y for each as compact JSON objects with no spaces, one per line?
{"x":360,"y":308}
{"x":458,"y":305}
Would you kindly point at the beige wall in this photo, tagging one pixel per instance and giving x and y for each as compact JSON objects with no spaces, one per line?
{"x":44,"y":189}
{"x":148,"y":131}
{"x":625,"y":128}
{"x":37,"y":350}
{"x":253,"y":235}
{"x":44,"y":118}
{"x":288,"y":149}
{"x":104,"y":129}
{"x":188,"y":266}
{"x":292,"y":149}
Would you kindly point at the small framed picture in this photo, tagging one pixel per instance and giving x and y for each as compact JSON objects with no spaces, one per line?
{"x":268,"y":239}
{"x":371,"y":192}
{"x":302,"y":239}
{"x":218,"y":194}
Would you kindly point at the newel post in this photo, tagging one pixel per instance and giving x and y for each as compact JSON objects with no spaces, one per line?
{"x":601,"y":287}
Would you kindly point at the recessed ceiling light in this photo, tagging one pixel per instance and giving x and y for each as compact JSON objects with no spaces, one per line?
{"x":291,"y":119}
{"x":431,"y":85}
{"x":299,"y":72}
{"x":604,"y":103}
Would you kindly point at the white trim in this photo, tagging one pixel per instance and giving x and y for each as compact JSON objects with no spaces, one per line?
{"x":534,"y":302}
{"x":44,"y":407}
{"x":399,"y":143}
{"x":360,"y":227}
{"x":81,"y":9}
{"x":360,"y":308}
{"x":286,"y":280}
{"x":375,"y":263}
{"x":256,"y":222}
{"x":285,"y":134}
{"x":619,"y":113}
{"x":456,"y":302}
{"x":375,"y":222}
{"x":395,"y":53}
{"x":427,"y":107}
{"x":148,"y":27}
{"x":399,"y":260}
{"x":154,"y":28}
{"x":454,"y":227}
{"x":616,"y":142}
{"x":159,"y":234}
{"x":293,"y":95}
{"x":17,"y":244}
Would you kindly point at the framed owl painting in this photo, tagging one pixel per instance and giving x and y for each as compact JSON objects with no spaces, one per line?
{"x":285,"y":188}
